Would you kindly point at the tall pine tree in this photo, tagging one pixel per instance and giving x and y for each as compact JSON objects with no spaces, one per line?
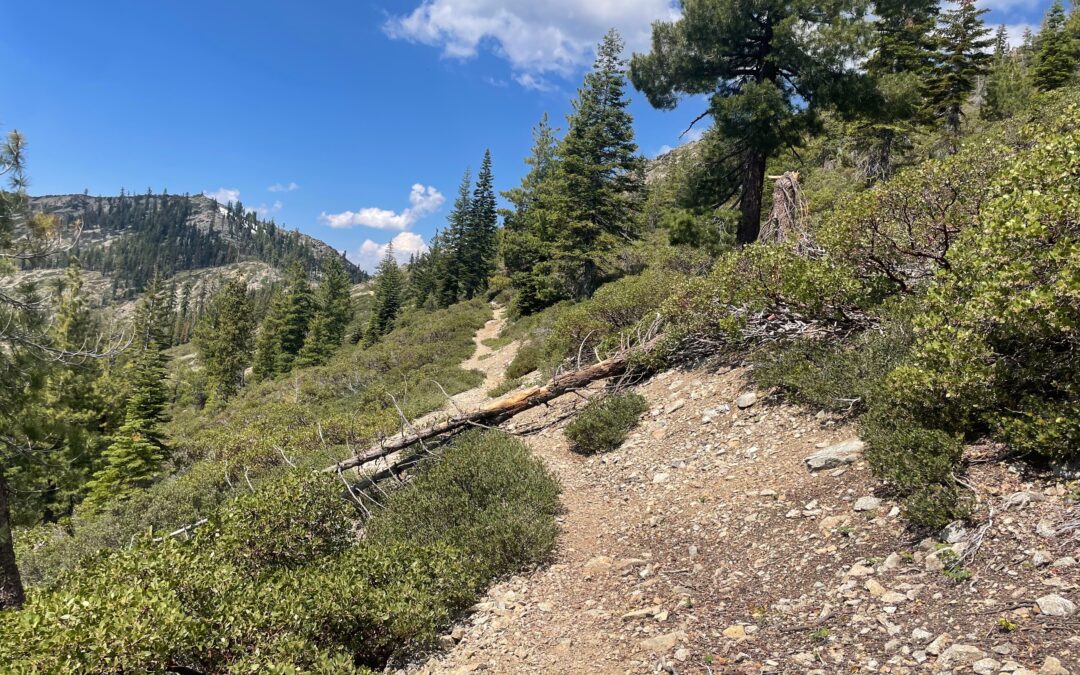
{"x":478,"y":246}
{"x":963,"y":59}
{"x":224,"y":339}
{"x":450,"y":267}
{"x":1056,"y":59}
{"x":389,"y":290}
{"x":769,"y":67}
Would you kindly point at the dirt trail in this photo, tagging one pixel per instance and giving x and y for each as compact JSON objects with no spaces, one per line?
{"x":704,"y":544}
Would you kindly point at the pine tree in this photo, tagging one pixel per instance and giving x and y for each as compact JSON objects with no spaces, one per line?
{"x":1056,"y":59}
{"x":479,"y":241}
{"x":389,"y":287}
{"x":540,"y":162}
{"x":962,"y":60}
{"x":767,"y":79}
{"x":335,"y":299}
{"x":1008,"y":82}
{"x":450,"y":267}
{"x":299,"y":308}
{"x":600,"y":175}
{"x":224,"y":339}
{"x":135,"y":458}
{"x":268,"y":342}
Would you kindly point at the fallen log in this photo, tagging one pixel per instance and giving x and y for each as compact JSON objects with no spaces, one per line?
{"x":497,"y":412}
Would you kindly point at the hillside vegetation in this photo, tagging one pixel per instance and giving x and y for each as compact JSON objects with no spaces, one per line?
{"x":857,"y":228}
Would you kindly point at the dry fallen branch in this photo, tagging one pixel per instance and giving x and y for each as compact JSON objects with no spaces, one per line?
{"x":497,"y":412}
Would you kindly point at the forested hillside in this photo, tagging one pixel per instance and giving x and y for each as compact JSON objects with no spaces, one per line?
{"x":872,"y":254}
{"x":130,"y":238}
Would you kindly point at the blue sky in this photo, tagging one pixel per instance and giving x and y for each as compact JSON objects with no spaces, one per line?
{"x":351,"y":121}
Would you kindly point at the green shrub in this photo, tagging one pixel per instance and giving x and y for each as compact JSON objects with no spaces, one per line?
{"x":529,"y":357}
{"x":603,"y":424}
{"x":289,"y":521}
{"x":486,"y":495}
{"x":504,"y":387}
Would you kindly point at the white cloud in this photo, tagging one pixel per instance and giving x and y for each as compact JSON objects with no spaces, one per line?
{"x":423,"y":201}
{"x":224,"y":195}
{"x":263,"y":210}
{"x":1015,"y":32}
{"x":369,"y":254}
{"x":1007,"y":5}
{"x":555,"y":36}
{"x":534,"y":82}
{"x":283,"y":187}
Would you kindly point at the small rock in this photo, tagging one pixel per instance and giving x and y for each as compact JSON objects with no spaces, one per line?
{"x":642,"y":613}
{"x":1062,"y":563}
{"x":660,"y":478}
{"x":735,"y":632}
{"x":893,"y":598}
{"x":921,"y":635}
{"x":860,"y":570}
{"x":545,"y":607}
{"x":867,"y":504}
{"x":597,"y":565}
{"x":938,"y":644}
{"x":1052,"y":666}
{"x":986,"y":666}
{"x":875,"y":589}
{"x":1041,"y":558}
{"x":675,"y":406}
{"x":661,"y":643}
{"x":1045,"y":529}
{"x":960,"y":655}
{"x":746,"y":400}
{"x":1055,"y":605}
{"x":836,"y":455}
{"x":954,"y":532}
{"x":446,"y":642}
{"x":682,"y":654}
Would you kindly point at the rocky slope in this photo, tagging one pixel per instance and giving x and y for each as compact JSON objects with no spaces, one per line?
{"x":709,"y":543}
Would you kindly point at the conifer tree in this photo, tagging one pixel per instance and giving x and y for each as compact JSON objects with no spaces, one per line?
{"x":335,"y":300}
{"x":1056,"y":59}
{"x":268,"y":342}
{"x":135,"y":458}
{"x":962,"y":60}
{"x":767,"y":79}
{"x":224,"y":339}
{"x":298,"y":309}
{"x":1008,"y":82}
{"x":451,"y":265}
{"x":481,"y":227}
{"x":540,"y":162}
{"x":389,"y":287}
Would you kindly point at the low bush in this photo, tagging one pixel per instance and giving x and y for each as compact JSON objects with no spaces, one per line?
{"x":504,"y":387}
{"x":529,"y":357}
{"x":273,"y":584}
{"x":487,"y":495}
{"x":603,"y":424}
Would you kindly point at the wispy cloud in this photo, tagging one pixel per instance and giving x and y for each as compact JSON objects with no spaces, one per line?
{"x":369,"y":254}
{"x":283,"y":187}
{"x":555,"y":36}
{"x":224,"y":195}
{"x":423,"y":201}
{"x":265,"y":211}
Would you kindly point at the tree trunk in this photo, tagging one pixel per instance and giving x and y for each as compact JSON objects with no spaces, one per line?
{"x":11,"y":589}
{"x":753,"y":182}
{"x":497,"y":412}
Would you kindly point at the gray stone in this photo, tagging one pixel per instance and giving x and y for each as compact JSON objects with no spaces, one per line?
{"x":867,"y":504}
{"x":846,"y":452}
{"x":1055,"y":605}
{"x":1041,"y":558}
{"x":746,"y":400}
{"x":960,"y":655}
{"x":986,"y":666}
{"x":1052,"y":666}
{"x":1023,"y":498}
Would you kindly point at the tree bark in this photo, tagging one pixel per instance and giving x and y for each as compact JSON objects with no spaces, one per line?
{"x":497,"y":412}
{"x":753,"y":183}
{"x":11,"y":588}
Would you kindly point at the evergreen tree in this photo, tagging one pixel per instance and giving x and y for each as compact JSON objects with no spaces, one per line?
{"x":224,"y":339}
{"x":451,"y":265}
{"x":135,"y":458}
{"x":389,"y":287}
{"x":1008,"y":82}
{"x":767,"y":78}
{"x":962,"y":61}
{"x":1056,"y":59}
{"x":540,"y":162}
{"x":268,"y":342}
{"x":299,"y":308}
{"x":335,"y":299}
{"x":478,"y":246}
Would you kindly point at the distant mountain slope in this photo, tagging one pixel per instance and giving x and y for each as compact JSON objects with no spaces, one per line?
{"x":127,"y":237}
